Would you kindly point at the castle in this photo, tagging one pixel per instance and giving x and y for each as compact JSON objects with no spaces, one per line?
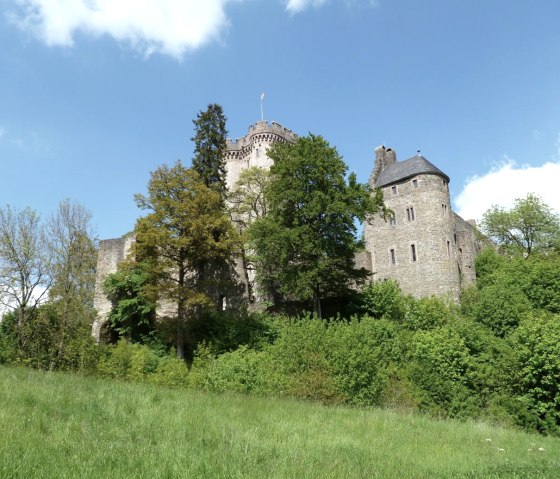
{"x":423,"y":245}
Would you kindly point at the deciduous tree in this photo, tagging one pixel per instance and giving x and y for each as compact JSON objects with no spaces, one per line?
{"x":71,"y":244}
{"x":530,"y":226}
{"x":188,"y":229}
{"x":305,"y":246}
{"x":25,"y":273}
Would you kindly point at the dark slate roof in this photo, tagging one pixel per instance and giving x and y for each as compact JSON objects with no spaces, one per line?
{"x":401,"y":170}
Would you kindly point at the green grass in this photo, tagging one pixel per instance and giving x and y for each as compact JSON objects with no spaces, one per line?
{"x":56,"y":425}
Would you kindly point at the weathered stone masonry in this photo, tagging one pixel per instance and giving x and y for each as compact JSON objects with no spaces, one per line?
{"x":426,"y":247}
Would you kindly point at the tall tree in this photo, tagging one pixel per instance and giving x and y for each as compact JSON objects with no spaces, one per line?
{"x":25,"y":273}
{"x":247,"y":203}
{"x":209,"y":148}
{"x":71,"y":243}
{"x":530,"y":226}
{"x":187,"y":228}
{"x":305,"y":246}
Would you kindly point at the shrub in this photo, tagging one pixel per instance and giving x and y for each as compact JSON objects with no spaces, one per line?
{"x":536,"y":345}
{"x":439,"y":368}
{"x":501,"y":307}
{"x":116,"y":361}
{"x":359,"y":356}
{"x":428,"y":313}
{"x":383,"y":299}
{"x":170,"y":372}
{"x":243,"y":371}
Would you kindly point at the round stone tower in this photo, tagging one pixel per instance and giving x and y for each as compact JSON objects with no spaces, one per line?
{"x":417,"y":245}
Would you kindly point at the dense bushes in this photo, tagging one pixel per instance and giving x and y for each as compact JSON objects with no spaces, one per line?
{"x":496,"y":355}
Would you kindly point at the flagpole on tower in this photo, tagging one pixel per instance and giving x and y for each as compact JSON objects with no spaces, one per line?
{"x":262,"y":114}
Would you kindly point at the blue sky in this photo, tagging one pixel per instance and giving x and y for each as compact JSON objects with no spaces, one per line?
{"x":95,"y":94}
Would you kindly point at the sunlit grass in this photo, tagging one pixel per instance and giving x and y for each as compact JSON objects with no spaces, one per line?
{"x":64,"y":426}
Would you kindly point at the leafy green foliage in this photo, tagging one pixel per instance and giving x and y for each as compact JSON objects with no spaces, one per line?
{"x":188,"y":230}
{"x":529,"y":227}
{"x":440,"y":368}
{"x":383,"y":299}
{"x":248,"y":198}
{"x":429,"y":313}
{"x":305,"y":246}
{"x":501,"y":307}
{"x":537,"y":371}
{"x":133,"y":311}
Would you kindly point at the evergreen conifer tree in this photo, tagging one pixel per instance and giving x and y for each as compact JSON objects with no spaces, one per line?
{"x":209,"y":147}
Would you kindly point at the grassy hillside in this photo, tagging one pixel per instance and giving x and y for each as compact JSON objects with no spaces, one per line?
{"x":61,"y":426}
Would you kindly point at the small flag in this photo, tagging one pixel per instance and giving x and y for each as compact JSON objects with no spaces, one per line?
{"x":262,"y":96}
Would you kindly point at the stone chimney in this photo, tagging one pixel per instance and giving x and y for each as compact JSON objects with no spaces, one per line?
{"x":383,"y":158}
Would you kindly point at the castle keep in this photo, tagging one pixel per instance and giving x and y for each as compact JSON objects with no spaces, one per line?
{"x":424,"y":245}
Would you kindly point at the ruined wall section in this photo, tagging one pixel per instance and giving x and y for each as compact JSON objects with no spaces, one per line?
{"x":110,"y":253}
{"x":467,"y":246}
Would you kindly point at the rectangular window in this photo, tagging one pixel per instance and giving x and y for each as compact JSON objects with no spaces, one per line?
{"x":455,"y":238}
{"x":413,"y":252}
{"x":393,"y":257}
{"x":394,"y":190}
{"x":415,"y":183}
{"x":393,"y":220}
{"x":410,"y":213}
{"x":444,"y":209}
{"x":449,"y":249}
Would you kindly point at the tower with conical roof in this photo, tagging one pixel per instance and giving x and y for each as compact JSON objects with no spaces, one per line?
{"x":423,"y":245}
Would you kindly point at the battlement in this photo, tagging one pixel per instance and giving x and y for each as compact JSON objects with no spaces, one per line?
{"x":261,"y":128}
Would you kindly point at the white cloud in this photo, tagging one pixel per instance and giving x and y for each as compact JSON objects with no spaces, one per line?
{"x":296,"y":6}
{"x":171,"y":27}
{"x":502,"y":185}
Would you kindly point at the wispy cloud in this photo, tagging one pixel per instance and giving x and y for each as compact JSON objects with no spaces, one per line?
{"x":506,"y":182}
{"x":297,"y":6}
{"x":171,"y":27}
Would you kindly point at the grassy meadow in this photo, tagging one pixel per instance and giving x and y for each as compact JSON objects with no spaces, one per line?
{"x":55,"y":425}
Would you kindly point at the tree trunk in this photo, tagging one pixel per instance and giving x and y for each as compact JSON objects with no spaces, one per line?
{"x":181,"y":315}
{"x":317,"y":304}
{"x":20,"y":323}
